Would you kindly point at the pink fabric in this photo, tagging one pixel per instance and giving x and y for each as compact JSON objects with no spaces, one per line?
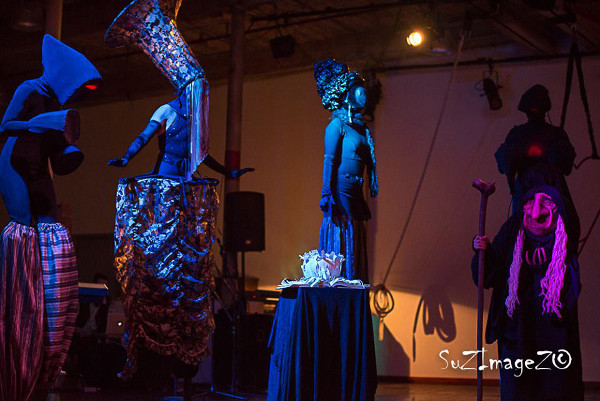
{"x":539,"y":257}
{"x":21,"y":312}
{"x":553,"y":280}
{"x":513,"y":280}
{"x":61,"y":296}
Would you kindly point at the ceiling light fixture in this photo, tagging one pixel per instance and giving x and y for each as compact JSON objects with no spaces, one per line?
{"x":283,"y":46}
{"x":28,"y":16}
{"x":415,"y":38}
{"x":489,"y":87}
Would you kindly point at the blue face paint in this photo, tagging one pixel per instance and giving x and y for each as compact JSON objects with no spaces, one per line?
{"x":357,"y":96}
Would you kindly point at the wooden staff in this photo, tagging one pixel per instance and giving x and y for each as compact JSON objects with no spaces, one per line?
{"x":486,"y":190}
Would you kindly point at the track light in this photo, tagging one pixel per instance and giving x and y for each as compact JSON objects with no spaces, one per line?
{"x":490,"y":86}
{"x":28,"y":16}
{"x":490,"y":89}
{"x":282,"y":46}
{"x":415,"y":38}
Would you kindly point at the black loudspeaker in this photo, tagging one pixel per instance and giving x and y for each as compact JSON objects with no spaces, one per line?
{"x":254,"y":356}
{"x":245,"y":221}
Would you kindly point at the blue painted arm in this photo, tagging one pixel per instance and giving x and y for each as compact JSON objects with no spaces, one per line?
{"x":142,"y":139}
{"x":333,"y":144}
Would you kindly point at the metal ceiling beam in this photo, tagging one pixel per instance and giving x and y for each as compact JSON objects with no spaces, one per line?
{"x":341,"y":12}
{"x":483,"y":61}
{"x":514,"y":22}
{"x":588,"y":30}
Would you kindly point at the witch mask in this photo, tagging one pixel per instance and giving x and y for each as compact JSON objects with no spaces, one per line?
{"x":540,"y":214}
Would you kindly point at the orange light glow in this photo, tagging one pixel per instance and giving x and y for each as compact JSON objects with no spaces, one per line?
{"x":415,"y":38}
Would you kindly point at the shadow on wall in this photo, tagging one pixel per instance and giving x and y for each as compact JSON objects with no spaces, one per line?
{"x":390,"y":354}
{"x":437,"y":316}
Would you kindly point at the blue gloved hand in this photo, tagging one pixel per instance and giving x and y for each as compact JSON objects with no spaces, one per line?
{"x":122,"y":162}
{"x":240,"y":172}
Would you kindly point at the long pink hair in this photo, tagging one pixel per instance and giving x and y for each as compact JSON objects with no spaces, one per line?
{"x":553,"y":281}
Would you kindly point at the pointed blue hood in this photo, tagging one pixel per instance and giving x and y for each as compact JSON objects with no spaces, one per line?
{"x":65,"y":70}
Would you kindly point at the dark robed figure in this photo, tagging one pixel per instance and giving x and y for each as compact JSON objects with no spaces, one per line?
{"x":536,"y":143}
{"x":532,"y":267}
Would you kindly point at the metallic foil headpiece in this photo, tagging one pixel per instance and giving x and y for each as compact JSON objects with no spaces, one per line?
{"x":150,"y":24}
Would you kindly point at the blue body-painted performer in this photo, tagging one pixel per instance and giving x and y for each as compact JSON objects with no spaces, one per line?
{"x":165,"y":221}
{"x":38,"y":272}
{"x":349,"y":151}
{"x":182,"y":124}
{"x":533,"y":269}
{"x":170,"y":123}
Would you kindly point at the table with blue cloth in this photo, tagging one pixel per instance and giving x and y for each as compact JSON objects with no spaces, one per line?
{"x":322,"y":346}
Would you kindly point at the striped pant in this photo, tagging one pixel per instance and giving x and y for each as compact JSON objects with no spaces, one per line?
{"x":21,"y":312}
{"x":38,"y":306}
{"x":61,"y":295}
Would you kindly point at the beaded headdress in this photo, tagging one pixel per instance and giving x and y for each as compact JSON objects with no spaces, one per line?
{"x":334,"y":80}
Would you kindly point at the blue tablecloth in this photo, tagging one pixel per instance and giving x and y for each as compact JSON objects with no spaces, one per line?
{"x":322,"y":346}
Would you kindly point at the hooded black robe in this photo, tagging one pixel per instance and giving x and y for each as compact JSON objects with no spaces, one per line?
{"x":529,"y":331}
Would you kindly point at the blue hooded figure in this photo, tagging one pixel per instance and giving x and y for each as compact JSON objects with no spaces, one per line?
{"x":36,"y":129}
{"x":38,"y":271}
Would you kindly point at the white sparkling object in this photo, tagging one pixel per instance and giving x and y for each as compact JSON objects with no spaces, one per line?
{"x":325,"y":266}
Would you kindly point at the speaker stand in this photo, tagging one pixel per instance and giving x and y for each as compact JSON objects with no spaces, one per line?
{"x":233,"y":390}
{"x":242,"y":291}
{"x":240,"y":308}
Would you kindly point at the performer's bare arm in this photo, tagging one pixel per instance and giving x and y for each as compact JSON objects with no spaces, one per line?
{"x":161,"y":117}
{"x":165,"y":115}
{"x":211,"y":163}
{"x":160,"y":121}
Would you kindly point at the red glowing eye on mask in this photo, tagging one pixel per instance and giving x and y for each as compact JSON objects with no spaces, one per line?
{"x":91,"y":86}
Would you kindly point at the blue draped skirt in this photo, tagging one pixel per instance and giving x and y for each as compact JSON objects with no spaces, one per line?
{"x":346,"y":235}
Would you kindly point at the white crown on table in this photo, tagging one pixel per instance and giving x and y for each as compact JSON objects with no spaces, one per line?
{"x":322,"y":270}
{"x":326,"y":266}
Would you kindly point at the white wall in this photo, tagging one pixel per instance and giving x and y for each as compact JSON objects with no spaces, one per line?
{"x":282,"y":138}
